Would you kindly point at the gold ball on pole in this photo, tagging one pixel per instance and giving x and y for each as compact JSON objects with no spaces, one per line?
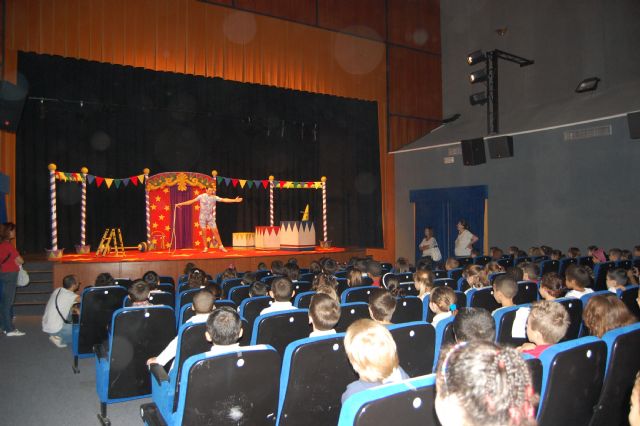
{"x":271,"y":178}
{"x":52,"y":167}
{"x":146,"y":171}
{"x":84,"y":170}
{"x":323,"y":178}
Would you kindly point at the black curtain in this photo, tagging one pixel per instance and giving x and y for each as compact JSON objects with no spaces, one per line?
{"x":117,"y":120}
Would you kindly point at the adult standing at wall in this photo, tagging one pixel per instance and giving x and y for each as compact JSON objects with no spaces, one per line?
{"x":465,"y":240}
{"x":429,"y":245}
{"x":10,"y":261}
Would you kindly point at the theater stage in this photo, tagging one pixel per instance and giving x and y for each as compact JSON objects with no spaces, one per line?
{"x":134,"y":263}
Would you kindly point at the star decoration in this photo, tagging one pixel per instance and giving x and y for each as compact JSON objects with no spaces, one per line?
{"x":196,"y":224}
{"x":166,"y":190}
{"x":161,"y":217}
{"x":197,"y":207}
{"x":167,"y":228}
{"x":166,"y":208}
{"x":157,"y":198}
{"x":197,"y":192}
{"x":155,"y":225}
{"x":208,"y":239}
{"x":197,"y":243}
{"x":154,"y":241}
{"x":153,"y":207}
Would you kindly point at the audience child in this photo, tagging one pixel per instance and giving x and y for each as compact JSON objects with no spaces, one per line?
{"x":504,"y":290}
{"x":402,"y":266}
{"x":203,"y":305}
{"x":188,"y":267}
{"x":258,"y":288}
{"x":248,"y":278}
{"x":227,"y":274}
{"x":323,"y":279}
{"x":530,"y":271}
{"x":277,"y":267}
{"x":262,"y":266}
{"x":615,"y":255}
{"x":197,"y":278}
{"x":292,"y":271}
{"x":442,"y":301}
{"x":577,"y":280}
{"x":62,"y":303}
{"x":354,"y":277}
{"x":139,"y":293}
{"x":393,"y":286}
{"x":373,"y":355}
{"x":475,"y":277}
{"x":516,"y":273}
{"x":451,"y":263}
{"x":329,"y":266}
{"x":281,"y":292}
{"x":471,"y":324}
{"x":616,"y":279}
{"x":552,"y":286}
{"x":521,"y":253}
{"x":634,"y":403}
{"x":214,"y":289}
{"x":496,"y":253}
{"x":513,"y":252}
{"x":382,"y":305}
{"x":574,"y":252}
{"x":374,"y":271}
{"x":547,"y":324}
{"x":535,"y":251}
{"x":423,"y":282}
{"x":152,"y":279}
{"x":605,"y":312}
{"x":224,"y":329}
{"x":104,"y":279}
{"x":625,"y":254}
{"x":493,"y":268}
{"x":475,"y":252}
{"x":324,"y":314}
{"x":425,"y":263}
{"x":329,"y":290}
{"x":598,"y":256}
{"x":499,"y":391}
{"x":556,"y":255}
{"x":546,"y":250}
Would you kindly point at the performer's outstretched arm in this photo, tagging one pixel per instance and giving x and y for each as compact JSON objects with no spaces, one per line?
{"x":187,"y":203}
{"x":230,"y":200}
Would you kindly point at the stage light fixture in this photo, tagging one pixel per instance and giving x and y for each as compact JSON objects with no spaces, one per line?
{"x":479,"y":98}
{"x":587,"y":85}
{"x":475,"y":57}
{"x":478,"y":76}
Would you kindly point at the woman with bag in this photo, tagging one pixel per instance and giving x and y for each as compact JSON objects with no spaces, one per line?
{"x":429,"y":245}
{"x":10,"y":261}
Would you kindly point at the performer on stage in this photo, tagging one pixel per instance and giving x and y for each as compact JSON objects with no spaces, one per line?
{"x":207,"y":203}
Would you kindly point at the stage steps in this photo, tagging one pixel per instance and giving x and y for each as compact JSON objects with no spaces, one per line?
{"x":32,"y":299}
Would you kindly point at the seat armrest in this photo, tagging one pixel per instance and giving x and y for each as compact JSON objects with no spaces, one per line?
{"x":100,"y":351}
{"x":159,"y":373}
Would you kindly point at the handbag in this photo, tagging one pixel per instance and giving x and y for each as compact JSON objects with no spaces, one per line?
{"x":23,"y":277}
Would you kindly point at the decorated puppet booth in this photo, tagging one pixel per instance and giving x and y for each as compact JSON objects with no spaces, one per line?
{"x":169,"y":228}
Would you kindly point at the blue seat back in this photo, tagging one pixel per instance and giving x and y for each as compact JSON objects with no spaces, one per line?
{"x":564,"y":264}
{"x":408,"y":309}
{"x":228,"y":284}
{"x":444,"y":338}
{"x":527,"y":292}
{"x":301,"y":286}
{"x":455,"y":274}
{"x":166,"y":279}
{"x":238,"y":294}
{"x":548,"y":265}
{"x":574,"y":307}
{"x":482,"y":298}
{"x":96,"y":309}
{"x":415,"y":342}
{"x":357,"y":294}
{"x":303,"y":300}
{"x":504,"y":318}
{"x":350,"y":312}
{"x":630,"y":296}
{"x":278,"y":329}
{"x":168,"y":287}
{"x":445,"y":282}
{"x":600,"y":275}
{"x":440,"y":273}
{"x":250,"y":308}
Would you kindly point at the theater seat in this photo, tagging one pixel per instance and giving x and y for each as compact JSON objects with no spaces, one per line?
{"x":504,"y":318}
{"x":527,"y":292}
{"x":415,"y":342}
{"x":278,"y":329}
{"x":574,"y":307}
{"x":357,"y":294}
{"x":482,"y":298}
{"x":407,"y":309}
{"x":351,"y":312}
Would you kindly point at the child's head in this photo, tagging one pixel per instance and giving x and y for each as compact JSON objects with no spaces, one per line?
{"x":262,"y":266}
{"x":504,"y":289}
{"x":634,"y":402}
{"x":324,"y":312}
{"x":577,"y":278}
{"x":329,"y":290}
{"x":535,"y":251}
{"x":188,"y":267}
{"x":530,"y":271}
{"x":615,"y":255}
{"x":329,"y":266}
{"x":371,"y":350}
{"x":197,"y":278}
{"x":139,"y":291}
{"x":481,"y":383}
{"x":516,"y":273}
{"x":475,"y":276}
{"x":203,"y":302}
{"x":258,"y":288}
{"x":493,"y":267}
{"x":292,"y":271}
{"x":151,"y":278}
{"x":547,"y":323}
{"x":552,"y":286}
{"x":636,"y":251}
{"x":393,"y":285}
{"x":617,"y":278}
{"x":605,"y":312}
{"x":598,"y":256}
{"x":496,"y":253}
{"x":323,"y":279}
{"x":546,"y":250}
{"x":281,"y":289}
{"x":70,"y":282}
{"x":382,"y":305}
{"x":423,"y":281}
{"x":625,"y":254}
{"x":354,"y":277}
{"x":248,"y":278}
{"x":277,"y":267}
{"x":442,"y":299}
{"x":513,"y":251}
{"x":224,"y":326}
{"x":374,"y":269}
{"x":556,"y":255}
{"x":451,"y":263}
{"x":104,"y":279}
{"x":214,"y":289}
{"x":474,"y":324}
{"x":315,"y":267}
{"x":402,"y":265}
{"x":574,"y":252}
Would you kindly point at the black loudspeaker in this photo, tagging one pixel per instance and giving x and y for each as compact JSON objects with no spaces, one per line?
{"x":501,"y":147}
{"x":633,"y":119}
{"x":473,"y":152}
{"x":12,"y":99}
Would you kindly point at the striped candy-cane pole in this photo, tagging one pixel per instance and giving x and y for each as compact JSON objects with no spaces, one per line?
{"x":324,"y":207}
{"x":54,"y":214}
{"x":214,"y":173}
{"x":83,"y":207}
{"x":271,"y":220}
{"x":146,"y":204}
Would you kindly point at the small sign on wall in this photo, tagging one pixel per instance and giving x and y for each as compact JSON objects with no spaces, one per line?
{"x":449,"y":160}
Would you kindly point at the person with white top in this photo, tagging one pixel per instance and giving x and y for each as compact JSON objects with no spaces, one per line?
{"x":429,"y":245}
{"x":224,"y":329}
{"x":56,"y":320}
{"x":465,"y":240}
{"x":203,"y":304}
{"x":442,"y":301}
{"x":208,"y":202}
{"x":281,"y":292}
{"x":577,"y":280}
{"x":324,"y":314}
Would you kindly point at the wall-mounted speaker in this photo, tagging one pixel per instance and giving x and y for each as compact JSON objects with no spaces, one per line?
{"x":473,"y":152}
{"x":501,"y":147}
{"x":12,"y":99}
{"x":633,"y":120}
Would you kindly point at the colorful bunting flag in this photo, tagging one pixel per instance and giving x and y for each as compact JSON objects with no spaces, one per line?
{"x":249,"y":184}
{"x":117,"y":182}
{"x":265,"y":183}
{"x":126,"y":181}
{"x":141,"y":178}
{"x":108,"y":181}
{"x":99,"y":181}
{"x":90,"y":179}
{"x":243,"y":182}
{"x":234,"y":182}
{"x":134,"y":180}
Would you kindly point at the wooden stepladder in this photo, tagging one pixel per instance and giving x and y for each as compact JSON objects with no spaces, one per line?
{"x":111,"y":242}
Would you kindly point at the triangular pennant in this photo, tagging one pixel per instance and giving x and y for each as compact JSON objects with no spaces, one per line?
{"x":134,"y":180}
{"x":243,"y":182}
{"x":99,"y":181}
{"x":265,"y":183}
{"x":90,"y":179}
{"x":234,"y":182}
{"x":141,"y":178}
{"x":249,"y":184}
{"x":108,"y":181}
{"x":256,"y":183}
{"x":219,"y":179}
{"x":126,"y":181}
{"x":298,"y":184}
{"x":309,"y":184}
{"x":227,"y":181}
{"x":117,"y":182}
{"x":282,"y":183}
{"x":317,"y":185}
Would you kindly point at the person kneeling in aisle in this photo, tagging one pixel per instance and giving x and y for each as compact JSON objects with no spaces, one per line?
{"x":62,"y":303}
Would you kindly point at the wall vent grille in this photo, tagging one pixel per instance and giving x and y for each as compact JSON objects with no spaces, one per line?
{"x":588,"y":133}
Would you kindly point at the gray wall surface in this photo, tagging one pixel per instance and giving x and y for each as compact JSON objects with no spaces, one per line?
{"x":554,"y":192}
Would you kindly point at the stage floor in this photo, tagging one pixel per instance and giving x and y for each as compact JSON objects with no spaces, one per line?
{"x":134,"y":263}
